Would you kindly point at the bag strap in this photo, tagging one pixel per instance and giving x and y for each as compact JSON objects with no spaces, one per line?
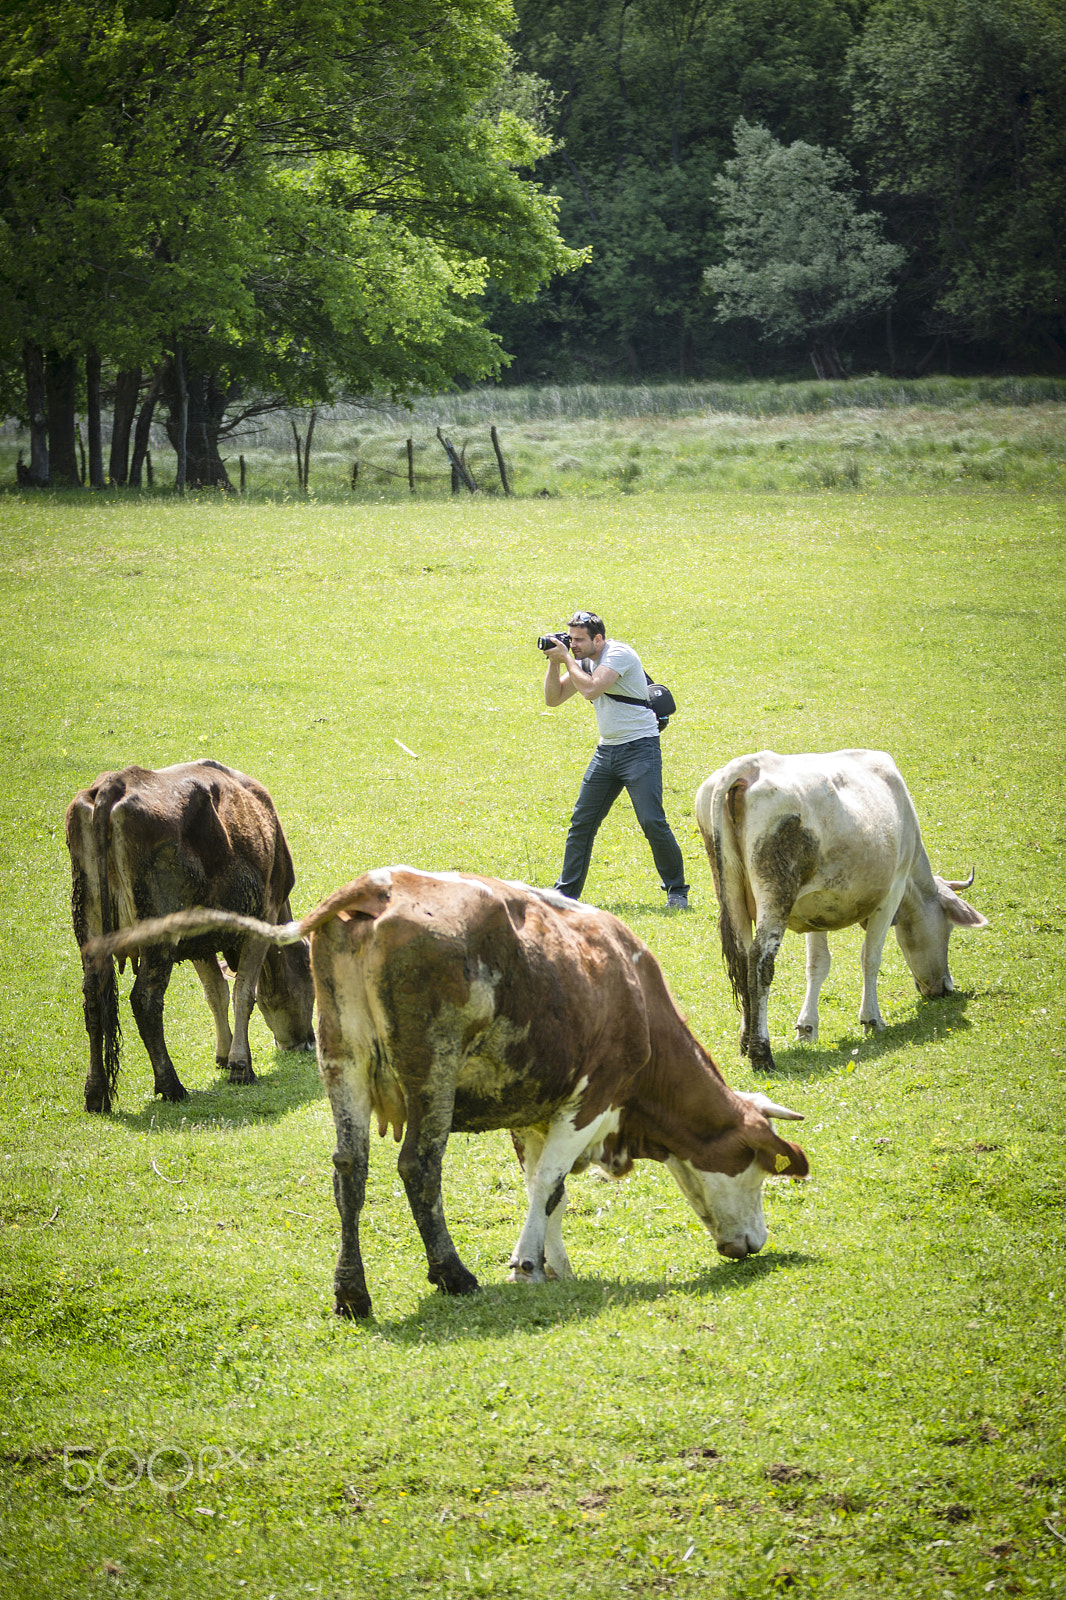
{"x":627,"y":699}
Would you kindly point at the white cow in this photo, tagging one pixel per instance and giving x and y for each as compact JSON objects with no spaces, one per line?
{"x":813,"y":843}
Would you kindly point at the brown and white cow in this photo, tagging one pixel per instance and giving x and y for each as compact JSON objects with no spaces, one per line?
{"x":145,"y":843}
{"x":449,"y":1001}
{"x":813,"y":843}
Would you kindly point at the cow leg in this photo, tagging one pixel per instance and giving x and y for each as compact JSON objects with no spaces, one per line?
{"x":528,"y":1148}
{"x":349,"y":1093}
{"x":563,"y":1145}
{"x":818,"y":963}
{"x":100,"y":1008}
{"x":146,"y":1001}
{"x":253,"y":954}
{"x":420,"y":1164}
{"x":761,"y":956}
{"x":872,"y":949}
{"x":216,"y":992}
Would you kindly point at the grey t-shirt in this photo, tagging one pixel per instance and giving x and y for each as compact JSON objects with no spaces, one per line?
{"x":621,"y":724}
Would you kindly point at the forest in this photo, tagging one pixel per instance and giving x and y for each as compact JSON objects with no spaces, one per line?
{"x":944,"y":125}
{"x":210,"y":210}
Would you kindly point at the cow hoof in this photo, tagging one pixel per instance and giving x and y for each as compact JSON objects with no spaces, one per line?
{"x":241,"y":1073}
{"x":222,"y":1062}
{"x":352,"y":1309}
{"x":97,"y":1105}
{"x":174,"y":1092}
{"x":454,"y":1279}
{"x":526,"y":1272}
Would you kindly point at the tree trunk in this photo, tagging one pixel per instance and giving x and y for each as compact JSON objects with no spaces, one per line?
{"x":826,"y":361}
{"x":96,"y":442}
{"x":36,"y":475}
{"x":61,"y":385}
{"x":178,"y":426}
{"x":143,"y":433}
{"x":307,"y":447}
{"x":127,"y":388}
{"x":206,"y":406}
{"x":929,"y":354}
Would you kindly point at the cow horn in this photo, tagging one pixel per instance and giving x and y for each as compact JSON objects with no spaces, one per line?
{"x":768,"y":1108}
{"x":965,"y":885}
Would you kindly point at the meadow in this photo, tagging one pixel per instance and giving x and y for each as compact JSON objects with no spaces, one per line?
{"x":874,"y":434}
{"x":872,"y":1407}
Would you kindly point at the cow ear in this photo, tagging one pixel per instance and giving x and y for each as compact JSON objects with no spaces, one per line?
{"x":958,"y":910}
{"x":783,"y":1159}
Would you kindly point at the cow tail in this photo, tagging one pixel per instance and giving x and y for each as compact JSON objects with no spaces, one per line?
{"x":363,"y":900}
{"x":727,"y":867}
{"x":100,"y":985}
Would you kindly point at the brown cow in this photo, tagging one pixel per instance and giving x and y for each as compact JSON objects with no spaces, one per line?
{"x":190,"y":835}
{"x":452,"y":1001}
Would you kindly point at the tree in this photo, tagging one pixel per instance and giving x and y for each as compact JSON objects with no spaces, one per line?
{"x":803,"y":261}
{"x":298,"y":194}
{"x":645,"y":96}
{"x":960,"y":106}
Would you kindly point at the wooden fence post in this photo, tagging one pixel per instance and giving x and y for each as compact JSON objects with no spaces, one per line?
{"x":411,"y":465}
{"x":241,"y":459}
{"x":460,"y":470}
{"x":499,"y":460}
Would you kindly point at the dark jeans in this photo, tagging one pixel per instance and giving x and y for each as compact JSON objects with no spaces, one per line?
{"x":637,"y":767}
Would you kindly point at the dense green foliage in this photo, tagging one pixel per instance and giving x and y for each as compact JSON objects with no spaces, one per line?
{"x":873,"y":1407}
{"x":803,"y":263}
{"x":952,"y":112}
{"x":288,"y":197}
{"x":960,"y":110}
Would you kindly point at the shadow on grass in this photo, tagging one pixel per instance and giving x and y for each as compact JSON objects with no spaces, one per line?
{"x":291,"y":1082}
{"x":798,"y":1062}
{"x":500,"y":1310}
{"x":624,"y":909}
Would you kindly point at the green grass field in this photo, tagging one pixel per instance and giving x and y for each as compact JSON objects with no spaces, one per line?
{"x":872,"y":1407}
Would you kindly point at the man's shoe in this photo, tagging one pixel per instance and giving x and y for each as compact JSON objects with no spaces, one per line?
{"x":677,"y":900}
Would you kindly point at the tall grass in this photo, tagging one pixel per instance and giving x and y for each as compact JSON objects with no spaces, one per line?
{"x":605,"y":439}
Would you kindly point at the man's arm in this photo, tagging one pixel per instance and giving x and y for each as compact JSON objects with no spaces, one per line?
{"x":565,"y":678}
{"x":557,"y":685}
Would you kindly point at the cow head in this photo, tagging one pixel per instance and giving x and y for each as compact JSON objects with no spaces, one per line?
{"x":923,"y":928}
{"x":285,"y":995}
{"x":729,"y":1202}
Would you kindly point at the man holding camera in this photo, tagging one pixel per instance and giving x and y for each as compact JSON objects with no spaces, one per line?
{"x":585,"y":662}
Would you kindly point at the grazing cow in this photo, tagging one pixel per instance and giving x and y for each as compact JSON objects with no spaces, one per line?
{"x":453,"y":1001}
{"x":144,"y":843}
{"x":814,"y":843}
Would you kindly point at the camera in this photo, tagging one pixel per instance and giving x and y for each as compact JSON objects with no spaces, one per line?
{"x":547,"y":640}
